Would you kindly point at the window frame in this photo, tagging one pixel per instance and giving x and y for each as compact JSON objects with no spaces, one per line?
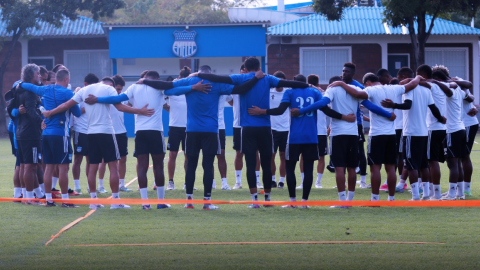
{"x":466,"y":51}
{"x":303,"y":49}
{"x":65,"y":52}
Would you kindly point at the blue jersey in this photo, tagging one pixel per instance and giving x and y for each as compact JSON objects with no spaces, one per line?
{"x":202,"y":109}
{"x":53,"y":96}
{"x":259,"y":96}
{"x":303,"y":129}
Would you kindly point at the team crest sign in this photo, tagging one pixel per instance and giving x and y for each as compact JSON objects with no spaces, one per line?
{"x":184,"y":45}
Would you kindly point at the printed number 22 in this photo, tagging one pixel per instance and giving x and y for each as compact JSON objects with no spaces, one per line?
{"x":302,"y":102}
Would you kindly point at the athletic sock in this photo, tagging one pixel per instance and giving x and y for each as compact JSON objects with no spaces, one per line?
{"x":189,"y":196}
{"x":238,"y":177}
{"x":29,"y":195}
{"x":24,"y":192}
{"x":437,"y":192}
{"x":42,"y":187}
{"x":76,"y":182}
{"x":350,"y":195}
{"x":391,"y":198}
{"x":426,"y":189}
{"x":452,"y":188}
{"x":17,"y":192}
{"x":363,"y":179}
{"x":374,"y":197}
{"x":460,"y":186}
{"x":161,"y":192}
{"x":54,"y":182}
{"x":419,"y":181}
{"x":48,"y":197}
{"x":171,"y":180}
{"x":267,"y":197}
{"x":303,"y":176}
{"x":274,"y":178}
{"x":65,"y":196}
{"x":385,"y":183}
{"x":121,"y":182}
{"x":415,"y":192}
{"x":282,"y":180}
{"x":214,"y":185}
{"x":224,"y":181}
{"x":466,"y":186}
{"x":401,"y":184}
{"x":93,"y":195}
{"x":254,"y":197}
{"x":432,"y":191}
{"x":144,"y":193}
{"x":342,"y":196}
{"x":257,"y":174}
{"x":115,"y":196}
{"x":319,"y":177}
{"x":293,"y":199}
{"x":100,"y":184}
{"x":38,"y":192}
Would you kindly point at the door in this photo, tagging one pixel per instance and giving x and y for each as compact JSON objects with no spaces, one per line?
{"x":395,"y":62}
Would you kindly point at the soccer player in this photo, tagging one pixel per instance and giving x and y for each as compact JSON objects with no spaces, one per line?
{"x":280,"y":128}
{"x":202,"y":126}
{"x":102,"y":143}
{"x":256,"y":130}
{"x":302,"y":139}
{"x":57,"y":150}
{"x":149,"y":140}
{"x":222,"y":163}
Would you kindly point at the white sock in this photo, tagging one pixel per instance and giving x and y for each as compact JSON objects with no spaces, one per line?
{"x":65,"y":196}
{"x":391,"y":198}
{"x":76,"y":182}
{"x":363,"y":179}
{"x":319,"y":177}
{"x":48,"y":196}
{"x":121,"y":183}
{"x":214,"y":185}
{"x":42,"y":187}
{"x":17,"y":192}
{"x":419,"y":181}
{"x":224,"y":181}
{"x":374,"y":197}
{"x":452,"y":188}
{"x":415,"y":192}
{"x":350,"y":195}
{"x":342,"y":196}
{"x":401,"y":184}
{"x":100,"y":184}
{"x":303,"y":200}
{"x":93,"y":195}
{"x":293,"y":199}
{"x":257,"y":174}
{"x":437,"y":191}
{"x":426,"y":189}
{"x":274,"y":179}
{"x":115,"y":196}
{"x":254,"y":196}
{"x":38,"y":192}
{"x":432,"y":192}
{"x":282,"y":180}
{"x":29,"y":195}
{"x":267,"y":197}
{"x":189,"y":196}
{"x":466,"y":186}
{"x":460,"y":188}
{"x":303,"y":176}
{"x":54,"y":182}
{"x":161,"y":192}
{"x":238,"y":177}
{"x":24,"y":192}
{"x":385,"y":183}
{"x":144,"y":193}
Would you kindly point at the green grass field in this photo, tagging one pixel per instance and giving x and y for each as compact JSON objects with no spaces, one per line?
{"x":26,"y":229}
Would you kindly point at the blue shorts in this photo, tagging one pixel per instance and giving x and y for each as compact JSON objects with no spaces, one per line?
{"x":57,"y":149}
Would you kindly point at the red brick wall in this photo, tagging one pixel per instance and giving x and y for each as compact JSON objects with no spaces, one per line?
{"x":367,"y":58}
{"x":56,"y":46}
{"x":14,"y":67}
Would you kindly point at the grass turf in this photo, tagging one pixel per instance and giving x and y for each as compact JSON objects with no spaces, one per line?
{"x":25,"y":229}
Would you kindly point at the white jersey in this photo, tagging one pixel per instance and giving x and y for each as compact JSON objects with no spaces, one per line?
{"x":98,"y":114}
{"x":380,"y":125}
{"x":81,"y":123}
{"x":344,"y":104}
{"x":454,"y":111}
{"x":440,"y":100}
{"x":414,"y":120}
{"x":236,"y":111}
{"x":178,"y":111}
{"x":321,"y":123}
{"x":279,"y":122}
{"x":117,"y":120}
{"x":221,"y":110}
{"x":142,"y":95}
{"x":467,"y":119}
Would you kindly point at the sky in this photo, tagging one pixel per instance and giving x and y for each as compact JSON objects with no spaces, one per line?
{"x":274,"y":2}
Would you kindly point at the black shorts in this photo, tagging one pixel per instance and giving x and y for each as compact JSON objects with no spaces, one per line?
{"x":122,"y":142}
{"x":102,"y":146}
{"x":208,"y":142}
{"x":455,"y":144}
{"x":56,"y":149}
{"x":257,"y":139}
{"x":237,"y":139}
{"x":221,"y":136}
{"x":80,"y":144}
{"x":435,"y":151}
{"x":415,"y":152}
{"x":14,"y":151}
{"x":361,"y":134}
{"x":399,"y":140}
{"x":322,"y":145}
{"x":29,"y":151}
{"x":176,"y":135}
{"x":149,"y":142}
{"x":309,"y":151}
{"x":279,"y":140}
{"x":344,"y":151}
{"x":471,"y":132}
{"x":382,"y":149}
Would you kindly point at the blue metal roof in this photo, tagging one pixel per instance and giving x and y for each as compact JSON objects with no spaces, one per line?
{"x":361,"y":21}
{"x":83,"y":26}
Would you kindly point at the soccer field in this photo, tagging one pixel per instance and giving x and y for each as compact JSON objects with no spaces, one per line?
{"x":451,"y":234}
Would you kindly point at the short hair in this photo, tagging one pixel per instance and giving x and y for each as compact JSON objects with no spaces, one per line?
{"x":350,"y":65}
{"x":142,"y":75}
{"x":91,"y":79}
{"x":300,"y":78}
{"x":280,"y":74}
{"x":51,"y":75}
{"x":394,"y":81}
{"x":370,"y":77}
{"x":205,"y":69}
{"x":43,"y":71}
{"x":57,"y":67}
{"x":252,"y":64}
{"x":110,"y":80}
{"x":313,"y":79}
{"x":439,"y":74}
{"x":28,"y":71}
{"x":185,"y":71}
{"x":119,"y":80}
{"x":382,"y":72}
{"x":425,"y":69}
{"x":405,"y":71}
{"x":242,"y":67}
{"x":334,"y":79}
{"x":152,"y":74}
{"x":170,"y":78}
{"x":62,"y":74}
{"x":442,"y":68}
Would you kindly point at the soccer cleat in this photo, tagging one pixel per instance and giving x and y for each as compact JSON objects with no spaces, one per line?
{"x":432,"y":198}
{"x":462,"y":197}
{"x":35,"y":203}
{"x":253,"y":206}
{"x":259,"y":185}
{"x":56,"y":191}
{"x":274,"y":184}
{"x":69,"y":205}
{"x":397,"y":190}
{"x":340,"y":206}
{"x":237,"y":186}
{"x":50,"y":204}
{"x":21,"y":196}
{"x":210,"y":207}
{"x":289,"y":206}
{"x":96,"y":206}
{"x":163,"y":206}
{"x":170,"y":185}
{"x":268,"y":205}
{"x":119,"y":206}
{"x":330,"y":168}
{"x":72,"y":192}
{"x":124,"y":189}
{"x":56,"y":196}
{"x":369,"y":186}
{"x":304,"y":207}
{"x":448,"y":198}
{"x":226,"y":187}
{"x":414,"y":199}
{"x":384,"y":187}
{"x":426,"y":198}
{"x":189,"y":206}
{"x":318,"y":184}
{"x":102,"y":190}
{"x":405,"y":186}
{"x":467,"y":193}
{"x":146,"y":207}
{"x":300,"y":186}
{"x":281,"y":185}
{"x":155,"y":187}
{"x":79,"y":191}
{"x":362,"y":185}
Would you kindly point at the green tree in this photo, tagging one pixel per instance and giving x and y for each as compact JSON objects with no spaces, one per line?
{"x":408,"y":13}
{"x":21,"y":15}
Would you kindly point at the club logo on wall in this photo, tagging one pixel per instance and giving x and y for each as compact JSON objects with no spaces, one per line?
{"x":184,"y":45}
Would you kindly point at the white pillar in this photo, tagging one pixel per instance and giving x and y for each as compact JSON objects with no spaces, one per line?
{"x":384,"y":47}
{"x":476,"y":70}
{"x":281,"y":5}
{"x":24,"y":44}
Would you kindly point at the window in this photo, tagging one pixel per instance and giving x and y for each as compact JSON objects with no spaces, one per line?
{"x":455,"y":59}
{"x":80,"y":63}
{"x":326,"y":62}
{"x":46,"y":62}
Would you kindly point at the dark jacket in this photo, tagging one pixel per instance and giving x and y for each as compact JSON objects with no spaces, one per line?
{"x":29,"y":124}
